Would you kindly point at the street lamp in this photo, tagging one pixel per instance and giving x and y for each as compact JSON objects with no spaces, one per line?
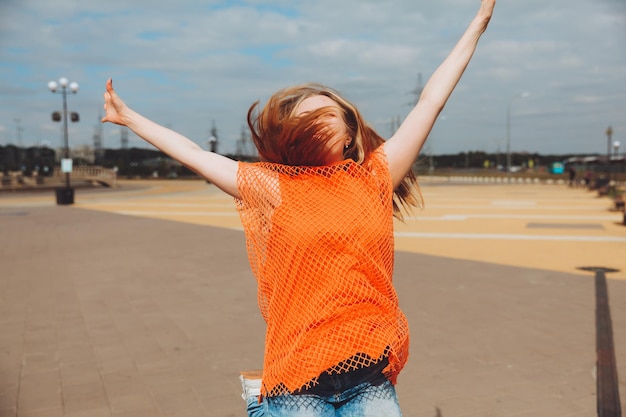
{"x":616,"y":145}
{"x":212,"y":143}
{"x":508,"y":129}
{"x":64,"y":195}
{"x":609,"y":134}
{"x":431,"y":161}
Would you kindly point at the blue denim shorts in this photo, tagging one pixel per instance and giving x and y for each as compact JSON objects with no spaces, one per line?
{"x":364,"y":393}
{"x":364,"y":400}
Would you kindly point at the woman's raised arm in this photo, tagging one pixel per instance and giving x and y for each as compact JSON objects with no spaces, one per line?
{"x":216,"y":168}
{"x":406,"y":143}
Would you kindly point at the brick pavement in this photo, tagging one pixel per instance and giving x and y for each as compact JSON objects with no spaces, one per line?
{"x":109,"y":315}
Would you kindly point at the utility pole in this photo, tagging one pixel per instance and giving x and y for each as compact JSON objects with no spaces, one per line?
{"x":19,"y":130}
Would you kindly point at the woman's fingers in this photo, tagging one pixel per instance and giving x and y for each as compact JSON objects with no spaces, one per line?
{"x":109,"y":115}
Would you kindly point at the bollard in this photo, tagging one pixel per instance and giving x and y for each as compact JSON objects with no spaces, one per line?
{"x":65,"y":196}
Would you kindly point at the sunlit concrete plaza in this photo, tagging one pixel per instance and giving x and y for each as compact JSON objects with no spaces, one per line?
{"x":139,"y":301}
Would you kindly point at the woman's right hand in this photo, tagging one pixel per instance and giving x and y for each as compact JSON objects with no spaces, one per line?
{"x":114,"y":107}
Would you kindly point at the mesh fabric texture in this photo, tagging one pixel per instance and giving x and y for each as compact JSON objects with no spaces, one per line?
{"x":320,"y":244}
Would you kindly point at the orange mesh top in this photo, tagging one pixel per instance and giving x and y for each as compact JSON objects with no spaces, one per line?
{"x":320,"y":244}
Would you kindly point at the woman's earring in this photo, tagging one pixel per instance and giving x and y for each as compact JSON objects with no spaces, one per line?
{"x":347,"y":145}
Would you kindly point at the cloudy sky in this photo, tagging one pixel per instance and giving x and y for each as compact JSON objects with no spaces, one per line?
{"x":188,"y":64}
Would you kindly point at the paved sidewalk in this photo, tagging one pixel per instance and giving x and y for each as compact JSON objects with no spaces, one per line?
{"x":103,"y":315}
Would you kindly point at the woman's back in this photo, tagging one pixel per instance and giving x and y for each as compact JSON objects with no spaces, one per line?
{"x":322,"y":252}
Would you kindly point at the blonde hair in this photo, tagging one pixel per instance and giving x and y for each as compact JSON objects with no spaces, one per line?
{"x":282,"y":137}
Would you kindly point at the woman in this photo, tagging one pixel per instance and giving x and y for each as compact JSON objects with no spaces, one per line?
{"x":317,"y":214}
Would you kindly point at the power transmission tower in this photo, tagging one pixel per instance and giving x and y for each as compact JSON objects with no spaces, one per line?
{"x":417,"y":92}
{"x":395,"y":124}
{"x":124,"y":138}
{"x":242,"y":146}
{"x":245,"y":147}
{"x":97,"y":142}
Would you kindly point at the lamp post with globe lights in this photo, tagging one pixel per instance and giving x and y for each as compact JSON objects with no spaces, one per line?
{"x":65,"y":195}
